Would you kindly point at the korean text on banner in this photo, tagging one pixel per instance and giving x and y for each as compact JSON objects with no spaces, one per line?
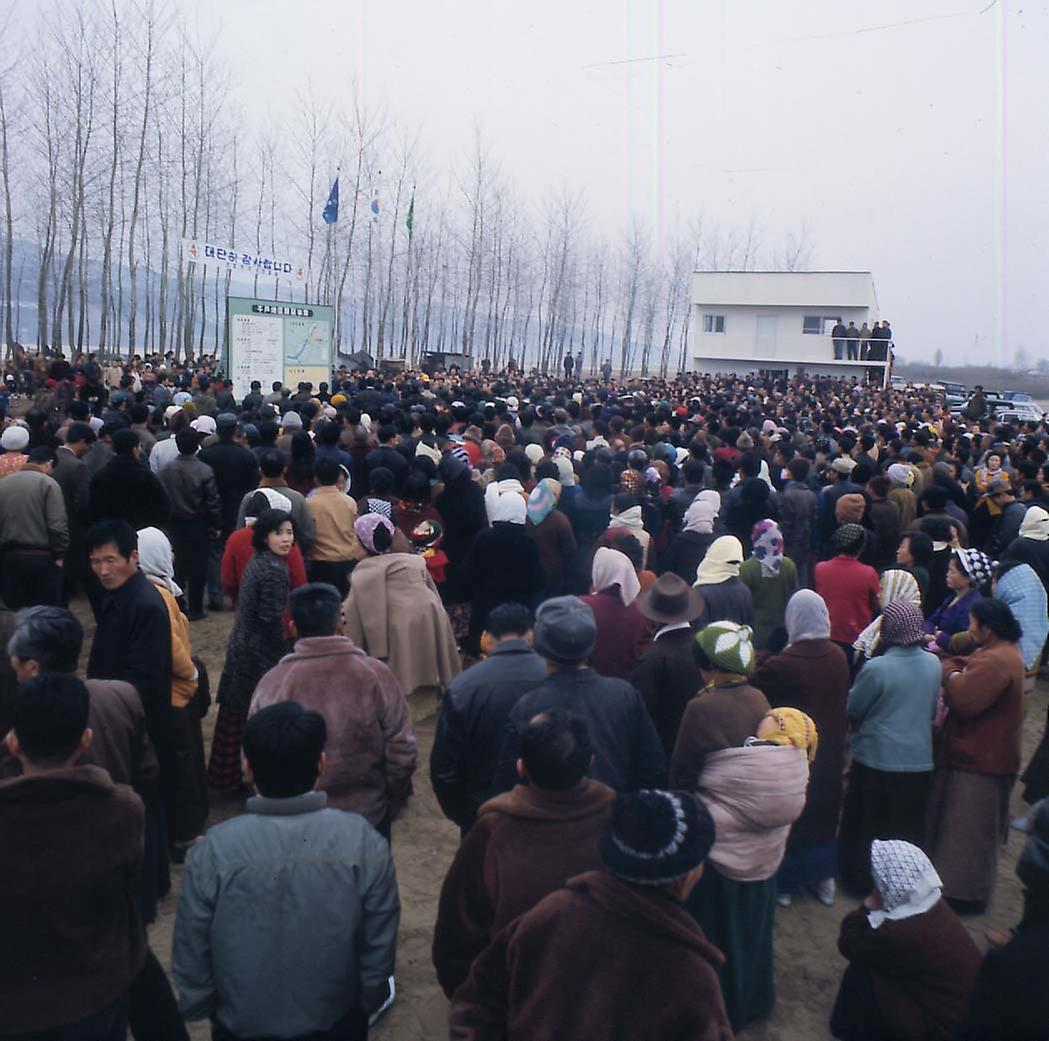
{"x":248,"y":264}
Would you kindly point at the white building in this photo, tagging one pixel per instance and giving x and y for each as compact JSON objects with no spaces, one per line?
{"x":779,"y":322}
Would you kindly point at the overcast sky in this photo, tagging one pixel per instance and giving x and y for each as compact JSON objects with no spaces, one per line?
{"x":909,"y":135}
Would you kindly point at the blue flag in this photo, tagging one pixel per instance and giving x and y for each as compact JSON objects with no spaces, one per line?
{"x":331,"y":211}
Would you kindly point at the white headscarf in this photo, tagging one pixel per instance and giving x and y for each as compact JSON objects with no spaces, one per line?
{"x":1035,"y":524}
{"x":905,"y":879}
{"x":274,"y":498}
{"x":614,"y":568}
{"x":510,"y":507}
{"x":806,"y":617}
{"x":722,"y":561}
{"x":499,"y":490}
{"x":700,"y":516}
{"x":156,"y":560}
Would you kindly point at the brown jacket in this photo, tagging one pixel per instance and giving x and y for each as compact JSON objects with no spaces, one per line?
{"x":70,"y":866}
{"x":721,"y":717}
{"x":983,"y":729}
{"x":371,"y":744}
{"x":813,"y":675}
{"x":924,"y":969}
{"x":526,"y":843}
{"x":333,"y":516}
{"x":597,"y":959}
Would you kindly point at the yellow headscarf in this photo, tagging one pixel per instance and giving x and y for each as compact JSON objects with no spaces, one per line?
{"x":790,"y":726}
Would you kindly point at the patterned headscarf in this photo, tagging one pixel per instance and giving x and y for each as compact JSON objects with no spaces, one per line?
{"x":977,"y":565}
{"x":905,"y":879}
{"x":790,"y":726}
{"x":767,"y":540}
{"x":896,"y":585}
{"x":542,"y":500}
{"x":365,"y":528}
{"x":902,"y":625}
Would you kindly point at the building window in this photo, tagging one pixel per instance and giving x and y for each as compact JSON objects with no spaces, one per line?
{"x":812,"y":324}
{"x":713,"y":323}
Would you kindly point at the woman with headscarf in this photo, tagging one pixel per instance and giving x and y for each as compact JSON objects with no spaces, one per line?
{"x":551,"y":531}
{"x":902,"y":477}
{"x":912,"y":964}
{"x":754,"y":791}
{"x":1010,"y":999}
{"x":896,"y":584}
{"x":620,"y":623}
{"x":627,"y":516}
{"x":687,"y":548}
{"x":890,"y":712}
{"x":156,"y":562}
{"x":504,"y":564}
{"x":1031,"y":546}
{"x":394,"y":613}
{"x":256,"y":642}
{"x":812,"y":675}
{"x":461,"y":506}
{"x":725,"y":597}
{"x":771,"y":578}
{"x":968,"y":574}
{"x":506,"y":481}
{"x":977,"y":757}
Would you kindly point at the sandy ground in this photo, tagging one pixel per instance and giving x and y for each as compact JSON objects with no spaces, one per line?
{"x":808,"y":964}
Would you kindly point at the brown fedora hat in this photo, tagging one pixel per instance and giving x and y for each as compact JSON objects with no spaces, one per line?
{"x":671,"y":599}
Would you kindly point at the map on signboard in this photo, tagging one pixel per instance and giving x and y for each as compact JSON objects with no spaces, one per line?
{"x":307,"y":342}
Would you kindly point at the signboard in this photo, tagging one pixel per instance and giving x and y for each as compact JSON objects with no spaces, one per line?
{"x":239,"y":262}
{"x":271,"y":340}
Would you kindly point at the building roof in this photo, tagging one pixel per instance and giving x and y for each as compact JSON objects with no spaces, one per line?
{"x":784,"y":288}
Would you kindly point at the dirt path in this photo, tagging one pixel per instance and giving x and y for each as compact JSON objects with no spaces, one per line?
{"x":807,"y":960}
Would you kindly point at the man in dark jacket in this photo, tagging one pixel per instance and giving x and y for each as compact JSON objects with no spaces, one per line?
{"x":133,"y":639}
{"x":648,"y":970}
{"x":475,"y":711}
{"x":196,"y":513}
{"x":627,"y":751}
{"x":68,"y":830}
{"x":667,"y":674}
{"x":1006,"y":525}
{"x":236,"y":473}
{"x":74,"y":479}
{"x":126,"y":489}
{"x":386,"y":455}
{"x":526,"y":843}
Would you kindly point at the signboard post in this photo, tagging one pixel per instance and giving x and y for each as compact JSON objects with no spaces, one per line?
{"x":271,"y":340}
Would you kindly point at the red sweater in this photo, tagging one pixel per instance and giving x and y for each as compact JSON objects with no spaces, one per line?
{"x":851,"y":592}
{"x":235,"y":557}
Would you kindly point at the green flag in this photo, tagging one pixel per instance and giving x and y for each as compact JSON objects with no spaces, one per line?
{"x":409,"y":221}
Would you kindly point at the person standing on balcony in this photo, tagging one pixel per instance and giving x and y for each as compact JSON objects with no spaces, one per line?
{"x":865,"y":335}
{"x":852,"y":342}
{"x":838,"y":339}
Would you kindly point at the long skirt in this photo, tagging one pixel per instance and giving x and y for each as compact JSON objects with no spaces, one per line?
{"x":968,"y":819}
{"x":807,"y":865}
{"x":224,"y":772}
{"x":738,"y":918}
{"x":878,"y":805}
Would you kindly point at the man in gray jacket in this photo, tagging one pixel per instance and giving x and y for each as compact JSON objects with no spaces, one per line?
{"x":287,"y":921}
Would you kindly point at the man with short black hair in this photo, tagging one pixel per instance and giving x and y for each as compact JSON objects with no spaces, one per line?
{"x":133,"y":639}
{"x":196,"y":517}
{"x":34,"y":533}
{"x":475,"y":710}
{"x":69,"y":876}
{"x":322,"y":892}
{"x":127,"y":489}
{"x":371,"y":750}
{"x":525,"y":843}
{"x":336,"y":548}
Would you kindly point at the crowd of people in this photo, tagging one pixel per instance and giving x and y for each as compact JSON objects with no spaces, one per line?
{"x":862,"y":344}
{"x":701,"y":649}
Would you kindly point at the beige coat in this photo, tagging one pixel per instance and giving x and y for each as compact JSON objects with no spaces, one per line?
{"x":394,"y":613}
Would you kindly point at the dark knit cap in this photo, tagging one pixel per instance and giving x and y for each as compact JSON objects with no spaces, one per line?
{"x":565,"y":630}
{"x":848,"y":538}
{"x":655,"y":837}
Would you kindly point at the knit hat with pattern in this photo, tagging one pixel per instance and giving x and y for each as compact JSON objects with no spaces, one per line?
{"x":729,"y":646}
